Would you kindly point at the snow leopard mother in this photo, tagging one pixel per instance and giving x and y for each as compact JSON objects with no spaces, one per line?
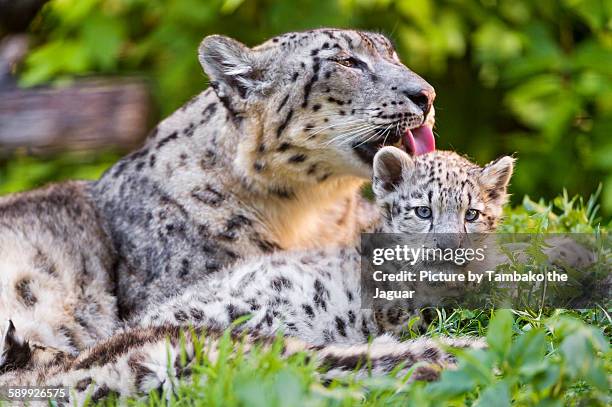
{"x":271,"y":157}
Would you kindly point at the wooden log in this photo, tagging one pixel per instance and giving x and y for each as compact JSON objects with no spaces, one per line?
{"x":88,"y":114}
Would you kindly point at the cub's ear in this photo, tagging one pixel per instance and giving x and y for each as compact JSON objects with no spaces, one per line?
{"x":494,"y":178}
{"x":392,"y":166}
{"x":230,"y":65}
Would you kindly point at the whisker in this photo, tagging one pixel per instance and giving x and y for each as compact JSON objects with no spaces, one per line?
{"x":371,"y":138}
{"x":343,"y":138}
{"x":338,"y":125}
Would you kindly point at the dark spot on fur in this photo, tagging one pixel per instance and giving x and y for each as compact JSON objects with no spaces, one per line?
{"x":24,"y":292}
{"x":167,"y":139}
{"x":281,"y":192}
{"x":234,"y":313}
{"x":184,"y":268}
{"x":181,"y":316}
{"x":308,"y":310}
{"x":297,"y":158}
{"x":266,"y":246}
{"x":284,"y":124}
{"x":209,"y":111}
{"x":365,"y":331}
{"x":340,"y":326}
{"x":120,"y":168}
{"x":351,"y":317}
{"x":258,"y":166}
{"x":209,"y":195}
{"x":350,"y":362}
{"x":311,"y":170}
{"x":308,"y":87}
{"x":431,"y":354}
{"x":284,"y":147}
{"x":253,"y":304}
{"x":237,"y":221}
{"x":269,"y":318}
{"x":44,"y":263}
{"x":426,"y":373}
{"x":320,"y":294}
{"x":212,"y":265}
{"x":280,"y":282}
{"x":100,"y":393}
{"x":282,"y":104}
{"x":82,"y":384}
{"x":70,"y":337}
{"x":196,"y":314}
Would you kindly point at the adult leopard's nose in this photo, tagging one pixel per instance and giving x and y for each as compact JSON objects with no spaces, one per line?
{"x":422,"y":97}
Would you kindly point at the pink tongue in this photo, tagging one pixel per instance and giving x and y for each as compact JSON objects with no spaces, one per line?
{"x":420,"y":140}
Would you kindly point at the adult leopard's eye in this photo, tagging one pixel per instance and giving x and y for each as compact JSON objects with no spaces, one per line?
{"x":423,"y":212}
{"x":471,"y":215}
{"x":348,"y":62}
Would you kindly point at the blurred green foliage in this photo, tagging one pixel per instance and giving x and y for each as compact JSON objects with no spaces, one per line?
{"x":531,"y":77}
{"x":24,"y":172}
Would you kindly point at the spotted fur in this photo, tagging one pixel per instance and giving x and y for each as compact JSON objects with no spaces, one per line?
{"x":55,"y":268}
{"x":262,"y":161}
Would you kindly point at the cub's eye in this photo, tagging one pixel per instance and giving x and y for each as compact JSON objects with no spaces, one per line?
{"x":423,"y":212}
{"x":471,"y":215}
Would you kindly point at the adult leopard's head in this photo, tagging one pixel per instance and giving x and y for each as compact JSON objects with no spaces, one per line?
{"x":321,"y":103}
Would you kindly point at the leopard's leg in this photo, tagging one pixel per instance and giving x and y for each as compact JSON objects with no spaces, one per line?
{"x":141,"y":360}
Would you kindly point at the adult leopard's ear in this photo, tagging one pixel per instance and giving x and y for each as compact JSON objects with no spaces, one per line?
{"x":231,"y":67}
{"x":495,"y":177}
{"x":392,"y":166}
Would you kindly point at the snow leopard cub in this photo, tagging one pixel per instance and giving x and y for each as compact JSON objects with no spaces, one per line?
{"x":315,"y":295}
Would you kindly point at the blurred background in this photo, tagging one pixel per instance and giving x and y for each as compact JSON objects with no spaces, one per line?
{"x":82,"y":81}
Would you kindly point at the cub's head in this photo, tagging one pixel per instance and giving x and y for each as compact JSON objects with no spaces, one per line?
{"x":321,"y":103}
{"x":440,"y":192}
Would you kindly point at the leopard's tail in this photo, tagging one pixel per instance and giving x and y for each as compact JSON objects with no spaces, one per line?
{"x":422,"y":358}
{"x":141,"y":360}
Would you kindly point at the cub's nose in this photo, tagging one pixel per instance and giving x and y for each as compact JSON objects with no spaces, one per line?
{"x":422,"y":97}
{"x":448,"y":241}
